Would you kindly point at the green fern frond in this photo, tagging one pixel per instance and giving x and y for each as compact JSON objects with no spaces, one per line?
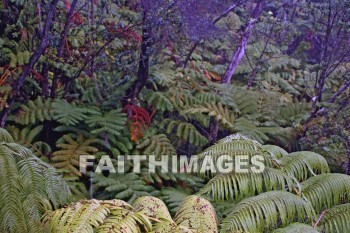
{"x":276,"y":151}
{"x":184,"y":131}
{"x":96,"y":216}
{"x":112,"y":122}
{"x":67,"y":158}
{"x":156,"y":145}
{"x":336,"y":219}
{"x":69,"y":113}
{"x":35,"y":111}
{"x":326,"y":190}
{"x":28,"y":187}
{"x":296,"y":228}
{"x":249,"y":129}
{"x":127,"y":186}
{"x":197,"y":214}
{"x":236,"y":186}
{"x":218,"y":111}
{"x":159,"y":101}
{"x":304,"y":164}
{"x":266,"y":212}
{"x":5,"y":136}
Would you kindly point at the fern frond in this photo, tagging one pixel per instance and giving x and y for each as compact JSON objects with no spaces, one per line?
{"x":5,"y":136}
{"x":96,"y":216}
{"x":156,"y":145}
{"x":296,"y":228}
{"x":67,"y":158}
{"x":184,"y":131}
{"x":35,"y":111}
{"x":69,"y":113}
{"x":197,"y":214}
{"x":276,"y":151}
{"x":236,"y":186}
{"x":112,"y":122}
{"x":27,"y":185}
{"x":304,"y":164}
{"x":326,"y":190}
{"x":152,"y":207}
{"x":266,"y":212}
{"x":336,"y":219}
{"x":159,"y":101}
{"x":218,"y":111}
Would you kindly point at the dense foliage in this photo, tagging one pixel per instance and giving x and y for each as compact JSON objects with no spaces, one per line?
{"x":166,"y":77}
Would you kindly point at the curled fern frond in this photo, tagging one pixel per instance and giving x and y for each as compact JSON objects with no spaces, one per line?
{"x":336,"y":219}
{"x":326,"y":190}
{"x":304,"y":164}
{"x":263,"y":212}
{"x":197,"y":214}
{"x":236,"y":186}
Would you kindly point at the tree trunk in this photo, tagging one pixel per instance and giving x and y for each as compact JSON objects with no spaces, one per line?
{"x":18,"y":83}
{"x":239,"y":53}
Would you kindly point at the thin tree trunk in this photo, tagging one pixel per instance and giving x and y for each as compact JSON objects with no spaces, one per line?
{"x":57,"y":72}
{"x":239,"y":53}
{"x":18,"y":83}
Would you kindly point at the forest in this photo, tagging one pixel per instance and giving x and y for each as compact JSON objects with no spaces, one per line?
{"x":259,"y":83}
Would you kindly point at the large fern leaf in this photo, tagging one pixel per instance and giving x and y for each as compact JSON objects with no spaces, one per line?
{"x":266,"y":212}
{"x":35,"y":111}
{"x":326,"y":190}
{"x":28,"y":186}
{"x":296,"y":228}
{"x":336,"y":219}
{"x":235,"y":186}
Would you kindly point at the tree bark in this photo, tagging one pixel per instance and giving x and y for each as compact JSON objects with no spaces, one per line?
{"x":240,"y":50}
{"x":18,"y":83}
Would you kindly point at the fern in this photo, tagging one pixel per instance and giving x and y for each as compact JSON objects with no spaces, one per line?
{"x":69,"y":113}
{"x":159,"y":101}
{"x":156,"y":145}
{"x":96,"y":216}
{"x":296,"y":228}
{"x":28,"y":187}
{"x":304,"y":164}
{"x":197,"y":214}
{"x":236,"y":186}
{"x":336,"y":219}
{"x":263,"y":212}
{"x":112,"y":122}
{"x":326,"y":190}
{"x":184,"y":131}
{"x":26,"y":138}
{"x":275,"y":151}
{"x":35,"y":111}
{"x":67,"y":158}
{"x":218,"y":111}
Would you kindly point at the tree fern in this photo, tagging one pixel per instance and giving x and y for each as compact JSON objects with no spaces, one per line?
{"x":266,"y":212}
{"x":28,"y":187}
{"x":35,"y":111}
{"x":197,"y":214}
{"x":304,"y":164}
{"x":276,"y":151}
{"x":326,"y":190}
{"x":159,"y":101}
{"x":68,"y":156}
{"x":336,"y":219}
{"x":235,"y":186}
